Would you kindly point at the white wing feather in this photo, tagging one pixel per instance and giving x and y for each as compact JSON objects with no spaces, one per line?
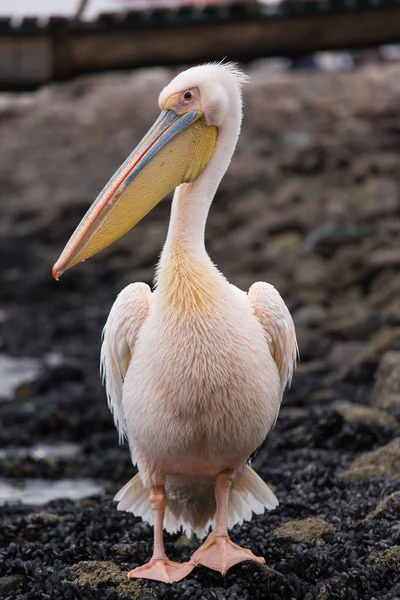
{"x":126,"y":317}
{"x":275,"y":318}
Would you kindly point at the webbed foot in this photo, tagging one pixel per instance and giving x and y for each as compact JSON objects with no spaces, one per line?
{"x":162,"y":570}
{"x":220,"y":553}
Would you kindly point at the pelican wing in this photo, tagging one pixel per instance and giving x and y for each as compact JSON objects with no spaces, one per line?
{"x":273,"y":314}
{"x":126,"y":317}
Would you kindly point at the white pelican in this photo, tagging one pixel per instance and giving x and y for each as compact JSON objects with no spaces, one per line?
{"x":194,"y":370}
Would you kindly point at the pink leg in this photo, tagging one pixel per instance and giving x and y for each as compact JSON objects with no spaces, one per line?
{"x":218,"y":552}
{"x":159,"y":567}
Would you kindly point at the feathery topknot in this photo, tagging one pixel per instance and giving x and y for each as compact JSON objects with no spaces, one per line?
{"x":234,"y":69}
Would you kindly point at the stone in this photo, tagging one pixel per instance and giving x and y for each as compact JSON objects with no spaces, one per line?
{"x":10,"y":583}
{"x":126,"y":550}
{"x":291,"y":412}
{"x":323,"y":593}
{"x":389,"y":257}
{"x":376,"y":197}
{"x":369,"y":163}
{"x":289,"y":192}
{"x":107,"y":573}
{"x":323,"y":396}
{"x":384,"y":288}
{"x":311,"y":314}
{"x":44,"y":518}
{"x":282,"y":244}
{"x":382,"y":341}
{"x":311,"y":529}
{"x":386,"y":392}
{"x":327,"y":237}
{"x":389,"y":558}
{"x":310,"y":343}
{"x":310,"y":271}
{"x":354,"y":324}
{"x":344,"y":352}
{"x":384,"y":462}
{"x":358,"y":413}
{"x":391,"y":500}
{"x":348,"y":267}
{"x":314,"y":366}
{"x":391,"y":312}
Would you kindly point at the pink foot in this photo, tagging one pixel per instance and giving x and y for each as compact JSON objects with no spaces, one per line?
{"x":162,"y":570}
{"x":220,"y":553}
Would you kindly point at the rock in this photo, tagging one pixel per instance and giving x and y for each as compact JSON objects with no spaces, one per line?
{"x":375,"y":198}
{"x":282,"y":244}
{"x":324,"y":396}
{"x":382,"y":341}
{"x":348,"y":268}
{"x":369,"y":163}
{"x":323,"y":593}
{"x":310,"y":343}
{"x":311,"y":294}
{"x":391,"y":312}
{"x":344,"y":352}
{"x":326,"y":238}
{"x":358,"y":413}
{"x":314,"y":366}
{"x":311,"y":314}
{"x":125,"y":550}
{"x":289,"y":192}
{"x":292,"y":413}
{"x":297,"y":141}
{"x":311,"y":271}
{"x":386,"y":392}
{"x":388,"y":559}
{"x":384,"y":462}
{"x":106,"y":573}
{"x":385,"y":258}
{"x":355,"y":324}
{"x":384,"y":289}
{"x":393,"y":500}
{"x":245,"y":206}
{"x":10,"y":583}
{"x":44,"y":518}
{"x":311,"y":530}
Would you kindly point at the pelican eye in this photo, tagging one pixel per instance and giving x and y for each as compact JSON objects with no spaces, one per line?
{"x":187,"y":96}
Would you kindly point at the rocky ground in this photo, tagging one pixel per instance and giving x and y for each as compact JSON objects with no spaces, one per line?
{"x":311,"y":204}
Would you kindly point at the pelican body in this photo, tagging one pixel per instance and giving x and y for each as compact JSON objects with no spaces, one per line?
{"x":194,"y":370}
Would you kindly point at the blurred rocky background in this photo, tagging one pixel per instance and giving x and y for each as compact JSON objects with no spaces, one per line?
{"x":311,"y":203}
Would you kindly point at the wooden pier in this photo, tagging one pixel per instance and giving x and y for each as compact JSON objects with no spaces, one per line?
{"x":33,"y":53}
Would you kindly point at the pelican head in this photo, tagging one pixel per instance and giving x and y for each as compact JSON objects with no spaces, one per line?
{"x":200,"y":110}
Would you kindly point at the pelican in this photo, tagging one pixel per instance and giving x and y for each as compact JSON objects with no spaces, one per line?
{"x":194,"y":370}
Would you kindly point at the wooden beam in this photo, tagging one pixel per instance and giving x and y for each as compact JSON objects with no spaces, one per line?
{"x":25,"y":61}
{"x":237,"y":40}
{"x":33,"y":55}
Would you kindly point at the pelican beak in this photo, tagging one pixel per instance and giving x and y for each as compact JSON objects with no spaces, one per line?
{"x":174,"y":151}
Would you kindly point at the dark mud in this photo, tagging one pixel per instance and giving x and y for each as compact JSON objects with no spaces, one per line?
{"x":311,"y":204}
